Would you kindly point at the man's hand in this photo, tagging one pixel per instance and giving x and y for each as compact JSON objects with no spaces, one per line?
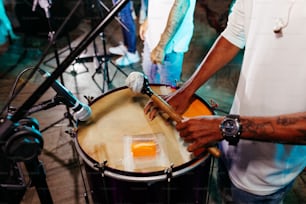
{"x":179,"y":102}
{"x":158,"y":55}
{"x":199,"y":132}
{"x":142,"y":29}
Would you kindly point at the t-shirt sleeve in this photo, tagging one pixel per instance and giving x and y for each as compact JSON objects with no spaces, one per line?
{"x":235,"y":29}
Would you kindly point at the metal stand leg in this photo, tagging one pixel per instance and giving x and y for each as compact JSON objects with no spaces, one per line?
{"x":56,"y":55}
{"x":37,"y":174}
{"x":69,"y":116}
{"x":72,"y":134}
{"x":103,"y":60}
{"x":78,"y":60}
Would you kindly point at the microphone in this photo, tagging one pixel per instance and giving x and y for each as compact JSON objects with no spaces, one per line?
{"x":82,"y":111}
{"x":279,"y":25}
{"x":139,"y":83}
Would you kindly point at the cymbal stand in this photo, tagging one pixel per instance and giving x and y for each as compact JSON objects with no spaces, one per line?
{"x":104,"y":59}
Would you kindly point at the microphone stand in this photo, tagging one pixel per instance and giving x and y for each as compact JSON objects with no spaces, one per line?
{"x":38,"y":177}
{"x":46,"y":5}
{"x":103,"y":59}
{"x":35,"y":167}
{"x":52,"y":40}
{"x":6,"y":125}
{"x":66,"y":62}
{"x":50,"y":104}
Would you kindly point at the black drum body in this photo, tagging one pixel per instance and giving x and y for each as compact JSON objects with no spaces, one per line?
{"x":121,"y":167}
{"x":189,"y":188}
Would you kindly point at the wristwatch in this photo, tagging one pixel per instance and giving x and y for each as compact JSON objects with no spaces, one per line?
{"x":231,"y":129}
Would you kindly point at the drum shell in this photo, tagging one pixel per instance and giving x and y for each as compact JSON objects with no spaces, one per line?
{"x":191,"y":187}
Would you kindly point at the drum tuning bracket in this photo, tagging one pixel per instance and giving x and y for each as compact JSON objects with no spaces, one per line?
{"x":101,"y":167}
{"x":72,"y":132}
{"x":168,"y":173}
{"x":89,"y":99}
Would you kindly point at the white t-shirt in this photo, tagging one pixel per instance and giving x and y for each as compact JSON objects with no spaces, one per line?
{"x":158,"y":13}
{"x":272,"y":82}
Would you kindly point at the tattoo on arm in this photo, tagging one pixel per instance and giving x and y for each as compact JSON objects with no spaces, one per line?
{"x":289,"y":130}
{"x":258,"y":128}
{"x":287,"y":121}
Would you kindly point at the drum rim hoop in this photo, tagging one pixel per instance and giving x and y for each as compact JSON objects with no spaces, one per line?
{"x":140,"y":176}
{"x":125,"y":87}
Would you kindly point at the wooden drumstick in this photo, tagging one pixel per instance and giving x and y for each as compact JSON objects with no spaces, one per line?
{"x":139,"y":84}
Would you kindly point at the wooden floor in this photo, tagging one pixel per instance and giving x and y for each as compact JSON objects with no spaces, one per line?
{"x":66,"y":175}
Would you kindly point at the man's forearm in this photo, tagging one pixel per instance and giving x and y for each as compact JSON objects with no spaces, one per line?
{"x":287,"y":129}
{"x":176,"y":16}
{"x":221,"y":53}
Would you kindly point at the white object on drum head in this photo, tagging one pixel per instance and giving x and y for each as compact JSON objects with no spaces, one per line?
{"x":160,"y":160}
{"x":135,"y":81}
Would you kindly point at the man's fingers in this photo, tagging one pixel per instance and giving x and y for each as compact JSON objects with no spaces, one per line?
{"x":150,"y":110}
{"x":147,"y":107}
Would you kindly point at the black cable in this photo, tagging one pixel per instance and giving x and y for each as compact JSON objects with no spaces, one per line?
{"x":12,"y":92}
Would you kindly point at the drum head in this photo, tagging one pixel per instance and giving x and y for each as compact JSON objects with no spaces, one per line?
{"x":121,"y":140}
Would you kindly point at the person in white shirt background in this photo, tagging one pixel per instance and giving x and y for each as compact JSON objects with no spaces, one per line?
{"x":166,"y":33}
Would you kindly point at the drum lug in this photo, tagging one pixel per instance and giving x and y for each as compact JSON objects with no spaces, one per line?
{"x":101,"y":167}
{"x":213,"y":104}
{"x":72,"y":132}
{"x":89,"y":99}
{"x":168,"y":173}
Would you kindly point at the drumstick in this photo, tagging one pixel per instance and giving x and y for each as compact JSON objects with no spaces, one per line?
{"x":139,"y":84}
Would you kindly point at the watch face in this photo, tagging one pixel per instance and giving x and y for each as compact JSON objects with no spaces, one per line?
{"x":230,"y":127}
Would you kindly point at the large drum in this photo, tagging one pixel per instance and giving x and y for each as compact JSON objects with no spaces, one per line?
{"x":131,"y":159}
